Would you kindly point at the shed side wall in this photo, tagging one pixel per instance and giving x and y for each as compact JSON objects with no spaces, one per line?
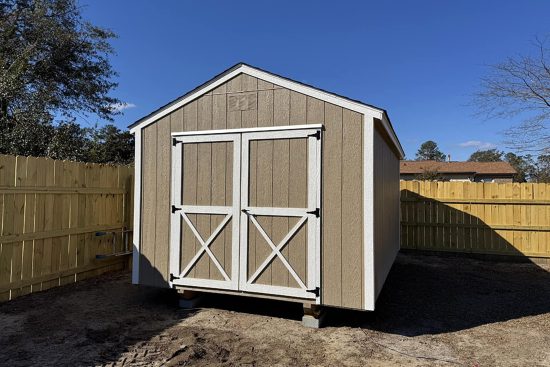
{"x":386,"y":206}
{"x":242,"y":102}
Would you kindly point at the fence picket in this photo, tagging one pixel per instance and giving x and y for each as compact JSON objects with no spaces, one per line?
{"x":492,"y":218}
{"x":49,"y":211}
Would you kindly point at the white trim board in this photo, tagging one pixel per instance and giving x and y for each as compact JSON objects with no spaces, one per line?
{"x":307,"y":214}
{"x":137,"y":209}
{"x":283,"y":82}
{"x":248,"y":130}
{"x":231,"y":212}
{"x":369,"y":292}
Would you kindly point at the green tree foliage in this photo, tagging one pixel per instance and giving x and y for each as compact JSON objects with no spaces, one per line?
{"x":524,"y":166}
{"x":70,"y":142}
{"x":530,"y":168}
{"x":107,"y":144}
{"x":429,"y":151}
{"x":490,"y":155}
{"x":541,"y":171}
{"x":52,"y":64}
{"x":110,"y":145}
{"x":429,"y":176}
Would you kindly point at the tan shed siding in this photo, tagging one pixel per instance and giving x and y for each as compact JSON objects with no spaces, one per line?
{"x":148,"y":273}
{"x":331,"y":251}
{"x":386,"y":207}
{"x":352,"y":213}
{"x":259,"y":103}
{"x":163,"y":197}
{"x":297,"y":185}
{"x":280,"y":108}
{"x":204,"y":179}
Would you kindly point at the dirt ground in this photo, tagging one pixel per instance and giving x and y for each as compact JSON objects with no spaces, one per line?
{"x":434,"y":311}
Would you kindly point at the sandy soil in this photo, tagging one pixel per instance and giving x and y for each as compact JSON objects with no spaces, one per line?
{"x":433,"y":312}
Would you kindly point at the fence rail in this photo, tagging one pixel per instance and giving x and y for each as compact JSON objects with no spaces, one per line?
{"x":489,"y":218}
{"x":50,"y":213}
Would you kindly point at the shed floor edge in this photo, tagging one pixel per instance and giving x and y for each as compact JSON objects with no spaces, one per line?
{"x":261,"y":295}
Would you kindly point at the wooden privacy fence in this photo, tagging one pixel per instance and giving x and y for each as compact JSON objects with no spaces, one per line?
{"x":50,"y":214}
{"x":488,"y":218}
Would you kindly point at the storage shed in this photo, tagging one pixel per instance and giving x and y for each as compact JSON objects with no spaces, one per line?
{"x":255,"y":184}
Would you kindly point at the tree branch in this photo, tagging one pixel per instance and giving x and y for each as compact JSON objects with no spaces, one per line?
{"x":520,"y":87}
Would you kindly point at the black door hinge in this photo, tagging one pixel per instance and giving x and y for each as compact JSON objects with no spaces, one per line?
{"x":173,"y":277}
{"x":317,"y":212}
{"x":175,"y":142}
{"x":245,"y":211}
{"x":174,"y":209}
{"x":317,"y":135}
{"x":314,"y":291}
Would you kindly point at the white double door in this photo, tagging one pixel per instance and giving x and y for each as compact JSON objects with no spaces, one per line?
{"x":245,"y":211}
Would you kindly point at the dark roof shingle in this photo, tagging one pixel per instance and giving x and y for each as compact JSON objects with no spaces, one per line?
{"x":418,"y":167}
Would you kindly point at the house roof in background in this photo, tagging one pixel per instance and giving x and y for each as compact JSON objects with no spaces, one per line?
{"x":479,"y":168}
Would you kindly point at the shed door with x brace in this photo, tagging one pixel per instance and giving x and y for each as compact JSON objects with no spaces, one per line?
{"x":246,"y":211}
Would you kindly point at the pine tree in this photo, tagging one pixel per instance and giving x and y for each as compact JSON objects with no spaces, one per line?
{"x":429,"y":151}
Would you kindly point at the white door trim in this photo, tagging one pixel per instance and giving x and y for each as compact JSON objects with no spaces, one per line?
{"x":276,"y":251}
{"x":205,"y":246}
{"x":238,"y":278}
{"x":180,"y":211}
{"x":248,"y":130}
{"x":313,"y":136}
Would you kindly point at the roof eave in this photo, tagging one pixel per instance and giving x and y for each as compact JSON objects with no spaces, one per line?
{"x":196,"y":89}
{"x":231,"y":72}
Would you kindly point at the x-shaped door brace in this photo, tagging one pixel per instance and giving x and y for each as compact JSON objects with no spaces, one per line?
{"x":276,"y":250}
{"x":205,"y":245}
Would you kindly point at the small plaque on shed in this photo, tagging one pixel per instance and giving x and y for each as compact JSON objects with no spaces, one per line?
{"x":242,"y":102}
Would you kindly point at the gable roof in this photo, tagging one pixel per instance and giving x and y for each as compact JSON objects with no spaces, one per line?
{"x":478,"y":168}
{"x":351,"y":104}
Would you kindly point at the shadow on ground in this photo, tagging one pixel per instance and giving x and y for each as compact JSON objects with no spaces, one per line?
{"x":431,"y":294}
{"x":92,"y":322}
{"x":428,"y":294}
{"x":106,"y":319}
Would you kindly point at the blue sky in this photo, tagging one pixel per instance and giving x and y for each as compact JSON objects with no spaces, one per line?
{"x":420,"y":60}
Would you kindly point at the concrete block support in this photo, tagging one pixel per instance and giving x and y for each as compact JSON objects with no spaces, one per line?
{"x":189,"y":299}
{"x":313,"y":316}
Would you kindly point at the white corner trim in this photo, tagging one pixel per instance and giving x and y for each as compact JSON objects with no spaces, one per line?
{"x":137,"y":209}
{"x":368,"y":214}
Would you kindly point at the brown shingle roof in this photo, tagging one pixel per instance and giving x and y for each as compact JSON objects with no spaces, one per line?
{"x":492,"y":168}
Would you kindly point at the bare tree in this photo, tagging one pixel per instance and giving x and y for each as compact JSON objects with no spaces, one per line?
{"x":520,"y":88}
